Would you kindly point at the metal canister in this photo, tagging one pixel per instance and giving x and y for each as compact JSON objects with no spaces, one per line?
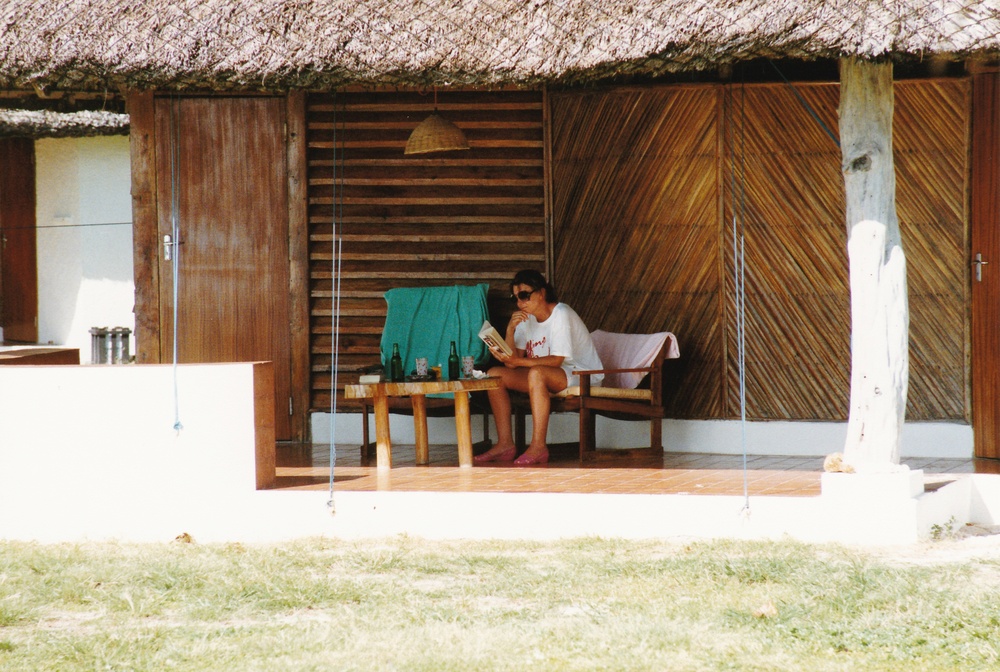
{"x":99,"y":345}
{"x":108,"y":351}
{"x":120,"y":345}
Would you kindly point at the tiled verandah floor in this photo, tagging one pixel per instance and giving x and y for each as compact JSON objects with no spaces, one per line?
{"x":307,"y":467}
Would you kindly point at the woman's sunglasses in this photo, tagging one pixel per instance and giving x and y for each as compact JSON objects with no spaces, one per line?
{"x":522,"y":296}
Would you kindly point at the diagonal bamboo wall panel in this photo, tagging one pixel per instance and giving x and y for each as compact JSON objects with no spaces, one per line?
{"x":635,"y":223}
{"x":643,"y":203}
{"x":796,"y":281}
{"x":433,"y":219}
{"x":931,"y":145}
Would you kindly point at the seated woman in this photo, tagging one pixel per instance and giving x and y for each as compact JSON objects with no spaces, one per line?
{"x":549,"y":341}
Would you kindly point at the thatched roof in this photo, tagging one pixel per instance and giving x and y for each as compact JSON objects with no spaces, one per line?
{"x":276,"y":44}
{"x":44,"y":124}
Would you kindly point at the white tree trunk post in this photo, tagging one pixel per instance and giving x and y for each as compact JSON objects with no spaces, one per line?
{"x":879,"y":311}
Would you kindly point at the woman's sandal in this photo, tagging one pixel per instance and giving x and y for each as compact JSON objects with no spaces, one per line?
{"x":505,"y":456}
{"x":528,"y":460}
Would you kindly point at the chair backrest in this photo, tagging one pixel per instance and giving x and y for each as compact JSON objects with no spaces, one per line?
{"x":629,"y":351}
{"x":424,"y":321}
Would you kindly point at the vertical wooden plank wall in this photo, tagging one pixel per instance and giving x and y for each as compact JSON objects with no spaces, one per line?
{"x":985,"y":206}
{"x":145,"y":238}
{"x":18,"y":246}
{"x":461,"y":217}
{"x":232,"y":208}
{"x":637,"y":179}
{"x":147,"y":248}
{"x":298,"y":254}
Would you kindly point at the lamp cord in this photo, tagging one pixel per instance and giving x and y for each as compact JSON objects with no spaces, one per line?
{"x":337,"y":251}
{"x":738,"y":194}
{"x":174,"y":246}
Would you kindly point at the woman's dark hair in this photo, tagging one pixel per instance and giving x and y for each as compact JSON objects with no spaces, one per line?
{"x":535,"y":280}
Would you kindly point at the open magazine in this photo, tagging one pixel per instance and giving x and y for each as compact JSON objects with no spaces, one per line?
{"x":491,"y":337}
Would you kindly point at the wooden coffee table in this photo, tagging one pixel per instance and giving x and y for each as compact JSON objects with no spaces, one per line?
{"x":379,"y":393}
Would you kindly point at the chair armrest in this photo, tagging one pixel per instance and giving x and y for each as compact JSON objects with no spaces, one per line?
{"x":653,"y":371}
{"x":585,"y":375}
{"x":579,"y":372}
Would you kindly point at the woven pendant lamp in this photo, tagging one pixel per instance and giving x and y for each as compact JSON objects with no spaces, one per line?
{"x":435,"y":134}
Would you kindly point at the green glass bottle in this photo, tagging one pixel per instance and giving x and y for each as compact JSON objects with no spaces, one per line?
{"x":396,"y":365}
{"x":454,"y":368}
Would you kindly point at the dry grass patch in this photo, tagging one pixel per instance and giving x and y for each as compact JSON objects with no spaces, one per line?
{"x":411,"y":604}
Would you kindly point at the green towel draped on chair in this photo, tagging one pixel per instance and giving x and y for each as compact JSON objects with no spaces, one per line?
{"x":425,"y":320}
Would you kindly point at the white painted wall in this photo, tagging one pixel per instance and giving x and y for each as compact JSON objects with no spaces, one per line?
{"x":950,"y":440}
{"x":84,"y":218}
{"x":121,"y":471}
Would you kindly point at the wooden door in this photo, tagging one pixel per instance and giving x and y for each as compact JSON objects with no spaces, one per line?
{"x":18,"y":265}
{"x":985,"y":246}
{"x":227,"y":176}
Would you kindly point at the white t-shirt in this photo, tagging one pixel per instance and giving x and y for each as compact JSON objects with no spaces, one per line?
{"x":565,"y":335}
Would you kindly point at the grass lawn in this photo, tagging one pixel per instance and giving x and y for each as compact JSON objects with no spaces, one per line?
{"x":412,"y":604}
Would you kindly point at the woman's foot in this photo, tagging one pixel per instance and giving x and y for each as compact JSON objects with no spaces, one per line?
{"x":532,"y":457}
{"x":496,"y":455}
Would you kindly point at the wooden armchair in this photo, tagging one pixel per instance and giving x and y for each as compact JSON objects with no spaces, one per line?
{"x":632,"y":390}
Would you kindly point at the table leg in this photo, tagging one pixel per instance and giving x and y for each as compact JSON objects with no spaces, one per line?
{"x":419,"y":402}
{"x":463,"y":428}
{"x":383,"y":445}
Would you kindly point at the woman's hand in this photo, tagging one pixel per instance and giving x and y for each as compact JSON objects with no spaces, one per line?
{"x":505,"y":359}
{"x":516,"y":319}
{"x":516,"y":359}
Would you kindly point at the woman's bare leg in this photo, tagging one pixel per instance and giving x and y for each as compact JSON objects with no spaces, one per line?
{"x":543,"y":381}
{"x":510,"y":379}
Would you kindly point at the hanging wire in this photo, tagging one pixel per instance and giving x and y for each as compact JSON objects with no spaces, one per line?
{"x":337,"y":250}
{"x":805,"y":104}
{"x":174,"y":247}
{"x":66,"y":226}
{"x":738,"y":192}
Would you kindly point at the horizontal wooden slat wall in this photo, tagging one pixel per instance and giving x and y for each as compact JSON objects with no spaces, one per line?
{"x":459,"y":217}
{"x":643,"y":203}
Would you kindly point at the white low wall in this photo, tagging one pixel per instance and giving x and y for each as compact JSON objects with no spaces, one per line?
{"x":920,"y":439}
{"x":984,"y":507}
{"x":91,"y":451}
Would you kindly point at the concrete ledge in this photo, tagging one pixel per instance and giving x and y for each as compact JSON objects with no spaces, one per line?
{"x":946,"y":508}
{"x":984,"y":504}
{"x":873,"y":508}
{"x":900,"y":485}
{"x":161,"y":513}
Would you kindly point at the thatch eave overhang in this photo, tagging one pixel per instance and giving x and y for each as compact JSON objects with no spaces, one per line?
{"x":667,"y":65}
{"x":276,"y":45}
{"x":45,"y":124}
